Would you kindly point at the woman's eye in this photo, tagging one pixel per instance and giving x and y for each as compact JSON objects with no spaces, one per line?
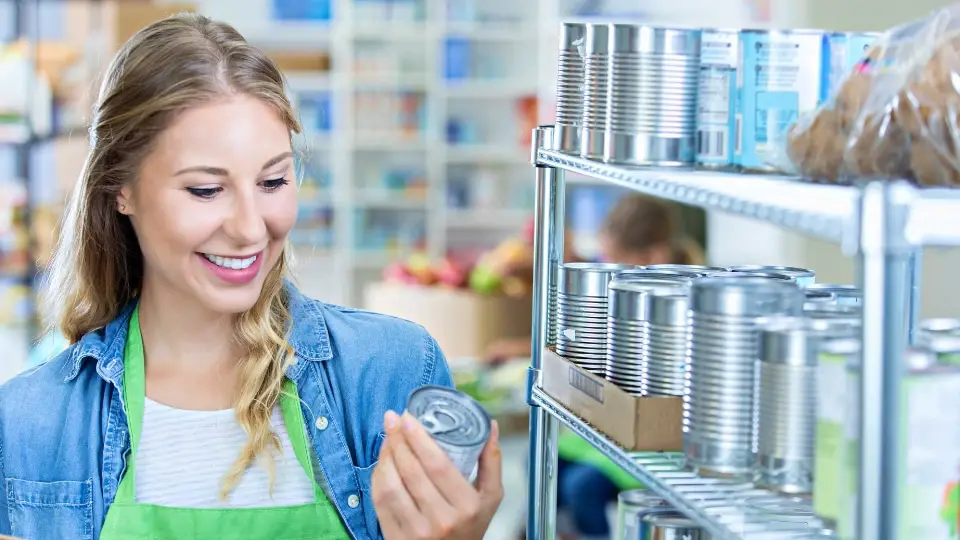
{"x":275,"y":183}
{"x":204,"y":193}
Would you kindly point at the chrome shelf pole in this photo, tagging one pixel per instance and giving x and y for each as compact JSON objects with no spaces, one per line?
{"x":887,"y":276}
{"x":548,"y":256}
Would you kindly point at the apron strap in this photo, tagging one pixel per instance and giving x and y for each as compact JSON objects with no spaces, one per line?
{"x":134,"y":394}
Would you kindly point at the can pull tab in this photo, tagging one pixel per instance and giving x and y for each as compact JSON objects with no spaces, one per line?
{"x":437,"y":422}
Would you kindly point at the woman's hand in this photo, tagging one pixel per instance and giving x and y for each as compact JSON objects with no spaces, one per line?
{"x":420,"y":495}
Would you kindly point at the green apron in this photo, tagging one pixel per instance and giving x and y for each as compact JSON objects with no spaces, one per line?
{"x":128,"y":520}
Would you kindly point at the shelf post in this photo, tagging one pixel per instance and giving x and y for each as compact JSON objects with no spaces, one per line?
{"x":548,"y":255}
{"x":887,"y":264}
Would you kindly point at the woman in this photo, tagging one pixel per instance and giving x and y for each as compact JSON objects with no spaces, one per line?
{"x":203,"y":396}
{"x":639,"y":230}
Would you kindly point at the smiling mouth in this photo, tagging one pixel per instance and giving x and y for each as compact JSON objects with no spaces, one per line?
{"x":232,"y":263}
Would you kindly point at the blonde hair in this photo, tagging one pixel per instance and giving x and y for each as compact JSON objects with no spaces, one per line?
{"x":170,"y":66}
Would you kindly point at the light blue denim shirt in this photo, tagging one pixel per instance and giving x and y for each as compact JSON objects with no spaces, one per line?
{"x":63,"y":429}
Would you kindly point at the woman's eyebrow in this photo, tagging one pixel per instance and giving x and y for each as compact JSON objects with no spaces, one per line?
{"x":218,"y":171}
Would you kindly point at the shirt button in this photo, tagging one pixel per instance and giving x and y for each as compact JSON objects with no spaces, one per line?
{"x":322,"y":423}
{"x":353,"y":501}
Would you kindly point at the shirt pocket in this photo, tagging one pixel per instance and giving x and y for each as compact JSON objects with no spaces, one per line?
{"x":50,"y":510}
{"x":365,"y":479}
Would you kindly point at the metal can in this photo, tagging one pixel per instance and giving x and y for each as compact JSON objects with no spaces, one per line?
{"x":846,"y":51}
{"x":717,"y":96}
{"x":459,"y":425}
{"x":847,"y":295}
{"x":670,"y":526}
{"x":802,"y":276}
{"x":780,"y":78}
{"x":931,"y":462}
{"x":940,"y":325}
{"x":945,"y":346}
{"x":776,"y":276}
{"x":632,"y":506}
{"x":570,"y":75}
{"x":692,"y":268}
{"x":819,"y":297}
{"x":596,"y":78}
{"x":835,"y":361}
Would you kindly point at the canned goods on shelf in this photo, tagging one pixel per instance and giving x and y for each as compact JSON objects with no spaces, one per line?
{"x":802,"y":276}
{"x":719,"y":421}
{"x":647,"y":273}
{"x":596,"y":82}
{"x":944,"y":345}
{"x":570,"y":75}
{"x":632,"y":505}
{"x":582,"y":313}
{"x":838,"y":363}
{"x":781,"y":78}
{"x":670,"y":525}
{"x":696,"y":269}
{"x":647,"y":337}
{"x":813,"y":296}
{"x":940,"y":325}
{"x":846,"y":51}
{"x":717,"y":97}
{"x":652,"y":98}
{"x":775,"y":276}
{"x":847,"y":295}
{"x":458,"y":424}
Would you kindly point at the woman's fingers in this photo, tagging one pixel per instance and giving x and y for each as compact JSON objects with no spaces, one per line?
{"x":416,"y":479}
{"x":490,"y":471}
{"x":456,"y":490}
{"x":391,"y":499}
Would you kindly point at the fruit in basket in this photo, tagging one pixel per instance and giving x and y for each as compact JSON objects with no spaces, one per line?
{"x":450,"y":273}
{"x":396,"y":272}
{"x":484,"y":280}
{"x":421,"y":268}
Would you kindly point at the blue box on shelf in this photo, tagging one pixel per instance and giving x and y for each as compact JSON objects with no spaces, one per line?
{"x":303,"y":10}
{"x":456,"y":58}
{"x":316,"y":110}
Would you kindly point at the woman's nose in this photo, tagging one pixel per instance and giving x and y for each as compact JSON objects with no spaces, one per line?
{"x":245,"y":224}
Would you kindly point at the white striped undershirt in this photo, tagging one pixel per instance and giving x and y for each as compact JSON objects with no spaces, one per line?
{"x":184,"y":455}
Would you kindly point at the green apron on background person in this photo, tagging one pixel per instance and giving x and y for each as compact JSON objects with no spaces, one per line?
{"x":129,"y":520}
{"x":574,"y":449}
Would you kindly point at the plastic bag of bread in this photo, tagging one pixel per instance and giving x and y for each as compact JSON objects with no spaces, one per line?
{"x":896,"y":115}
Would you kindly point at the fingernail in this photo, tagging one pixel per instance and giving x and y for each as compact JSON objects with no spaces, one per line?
{"x":390,"y":420}
{"x":409,"y":422}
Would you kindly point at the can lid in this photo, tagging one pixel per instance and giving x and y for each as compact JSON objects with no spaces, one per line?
{"x":940,"y":343}
{"x":670,"y":520}
{"x":696,"y":269}
{"x":919,"y":359}
{"x":940,"y":324}
{"x":842,"y":346}
{"x":791,"y":271}
{"x":776,"y":276}
{"x":449,"y":415}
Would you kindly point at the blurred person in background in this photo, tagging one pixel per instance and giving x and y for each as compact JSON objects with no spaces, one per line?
{"x":639,"y":230}
{"x":202,"y":396}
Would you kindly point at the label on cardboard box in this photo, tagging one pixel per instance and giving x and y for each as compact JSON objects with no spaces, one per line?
{"x":585,"y":384}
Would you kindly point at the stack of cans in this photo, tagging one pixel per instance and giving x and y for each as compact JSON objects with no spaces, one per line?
{"x":582,"y":313}
{"x":595,"y":91}
{"x":719,"y":408}
{"x":570,"y":75}
{"x":640,"y":360}
{"x":652,"y":98}
{"x":802,"y":276}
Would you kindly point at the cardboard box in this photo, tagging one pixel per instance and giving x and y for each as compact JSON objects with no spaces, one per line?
{"x":653,"y":424}
{"x":462,"y":322}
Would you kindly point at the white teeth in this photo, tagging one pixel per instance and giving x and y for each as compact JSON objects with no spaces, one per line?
{"x":231,"y":263}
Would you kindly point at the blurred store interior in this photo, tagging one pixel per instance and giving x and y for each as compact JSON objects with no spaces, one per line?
{"x":415,"y":156}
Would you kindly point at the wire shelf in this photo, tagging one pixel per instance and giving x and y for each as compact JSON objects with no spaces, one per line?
{"x":818,"y":210}
{"x":727,"y":509}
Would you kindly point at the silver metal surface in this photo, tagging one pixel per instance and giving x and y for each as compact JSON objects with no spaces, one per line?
{"x":720,"y":405}
{"x":570,"y":75}
{"x":884,"y":264}
{"x":777,"y":200}
{"x":819,"y":297}
{"x":458,"y":424}
{"x":632,"y":505}
{"x":596,"y":79}
{"x":548,"y":255}
{"x":755,"y":274}
{"x":846,"y":294}
{"x":542,"y":138}
{"x":724,"y":508}
{"x":692,"y":268}
{"x":648,"y":339}
{"x":802,"y":276}
{"x":786,"y":405}
{"x":589,"y":279}
{"x":670,"y":526}
{"x":652,"y":95}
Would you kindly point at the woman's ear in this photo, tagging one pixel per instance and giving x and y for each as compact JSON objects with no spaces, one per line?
{"x":124,"y":201}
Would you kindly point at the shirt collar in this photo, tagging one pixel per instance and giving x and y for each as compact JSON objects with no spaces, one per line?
{"x":309,"y":337}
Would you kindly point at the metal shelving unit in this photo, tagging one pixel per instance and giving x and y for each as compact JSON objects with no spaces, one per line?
{"x":882,"y":224}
